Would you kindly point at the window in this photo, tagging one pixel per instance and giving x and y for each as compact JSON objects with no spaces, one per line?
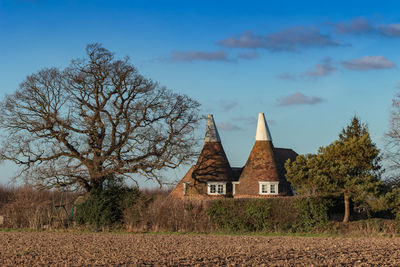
{"x":234,"y":187}
{"x":268,"y":188}
{"x":264,"y":189}
{"x":220,"y":189}
{"x":216,"y":188}
{"x":272,"y":189}
{"x":212,"y":188}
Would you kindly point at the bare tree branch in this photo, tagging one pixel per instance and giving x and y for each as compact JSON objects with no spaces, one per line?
{"x":95,"y":118}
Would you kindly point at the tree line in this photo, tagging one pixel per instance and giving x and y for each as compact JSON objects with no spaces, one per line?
{"x":99,"y":118}
{"x":352,"y":166}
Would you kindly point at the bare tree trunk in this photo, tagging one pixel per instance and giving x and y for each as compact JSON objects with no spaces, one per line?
{"x":346,"y":208}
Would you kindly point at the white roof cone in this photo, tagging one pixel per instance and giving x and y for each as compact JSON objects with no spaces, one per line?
{"x":211,"y":130}
{"x":263,"y":133}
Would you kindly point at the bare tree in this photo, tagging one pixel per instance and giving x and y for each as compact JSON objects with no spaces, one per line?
{"x":96,"y":118}
{"x":392,"y":141}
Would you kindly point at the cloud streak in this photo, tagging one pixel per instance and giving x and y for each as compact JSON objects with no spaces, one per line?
{"x":360,"y":26}
{"x":324,"y":68}
{"x":357,"y":26}
{"x":190,"y":56}
{"x":290,"y":39}
{"x":246,"y":119}
{"x":249,"y":55}
{"x":286,"y":76}
{"x":390,"y":30}
{"x":321,"y":69}
{"x":226,"y":126}
{"x":299,"y":99}
{"x":369,"y":63}
{"x":227,"y":105}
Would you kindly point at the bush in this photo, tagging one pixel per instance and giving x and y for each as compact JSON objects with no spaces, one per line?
{"x":105,"y":205}
{"x":313,"y":212}
{"x":387,"y":205}
{"x":240,"y":215}
{"x":162,"y":213}
{"x":270,"y":215}
{"x":26,"y":207}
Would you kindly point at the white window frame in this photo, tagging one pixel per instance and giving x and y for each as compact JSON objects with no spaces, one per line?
{"x":234,"y":187}
{"x":185,"y":186}
{"x":216,"y":184}
{"x":268,"y":185}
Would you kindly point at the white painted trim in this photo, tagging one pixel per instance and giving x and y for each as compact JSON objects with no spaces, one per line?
{"x":263,"y":133}
{"x":216,"y":188}
{"x":185,"y":184}
{"x":234,"y":187}
{"x":268,"y":184}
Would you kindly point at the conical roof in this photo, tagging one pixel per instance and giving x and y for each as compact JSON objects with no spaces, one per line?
{"x":211,"y":130}
{"x":263,"y":133}
{"x":212,"y":165}
{"x":261,"y":166}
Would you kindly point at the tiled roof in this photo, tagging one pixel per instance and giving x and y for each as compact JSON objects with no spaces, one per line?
{"x":213,"y":164}
{"x":265,"y":163}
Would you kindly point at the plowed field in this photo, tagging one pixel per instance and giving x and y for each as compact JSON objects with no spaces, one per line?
{"x":46,"y":248}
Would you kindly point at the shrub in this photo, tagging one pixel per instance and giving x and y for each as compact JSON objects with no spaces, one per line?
{"x":105,"y":205}
{"x":313,"y":212}
{"x":26,"y":207}
{"x":161,"y":213}
{"x":240,"y":215}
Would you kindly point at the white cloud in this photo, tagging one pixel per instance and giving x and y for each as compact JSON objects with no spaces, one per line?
{"x":227,"y":105}
{"x":321,"y":69}
{"x":248,"y":55}
{"x":390,"y":30}
{"x":191,"y":56}
{"x":299,"y":99}
{"x":369,"y":63}
{"x":290,"y":39}
{"x":361,"y":25}
{"x":357,"y":26}
{"x":226,"y":126}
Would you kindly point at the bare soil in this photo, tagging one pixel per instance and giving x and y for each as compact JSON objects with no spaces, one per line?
{"x":73,"y":249}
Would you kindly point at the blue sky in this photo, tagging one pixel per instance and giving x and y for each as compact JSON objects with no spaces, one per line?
{"x":309,"y":66}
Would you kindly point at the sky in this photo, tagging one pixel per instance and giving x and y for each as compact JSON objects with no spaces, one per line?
{"x":308,"y":65}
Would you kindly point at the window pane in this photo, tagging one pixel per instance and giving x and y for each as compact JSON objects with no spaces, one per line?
{"x":220,"y":189}
{"x":212,"y":189}
{"x":272,"y":189}
{"x":264,"y":188}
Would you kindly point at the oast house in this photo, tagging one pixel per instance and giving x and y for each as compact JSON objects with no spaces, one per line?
{"x":213,"y":177}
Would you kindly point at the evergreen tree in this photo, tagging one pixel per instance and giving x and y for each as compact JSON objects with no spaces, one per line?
{"x":350,"y":165}
{"x":306,"y":174}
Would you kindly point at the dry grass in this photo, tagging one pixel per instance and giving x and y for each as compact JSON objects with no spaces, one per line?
{"x":25,"y":207}
{"x":167,"y":214}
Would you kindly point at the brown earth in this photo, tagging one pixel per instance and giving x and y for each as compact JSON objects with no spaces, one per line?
{"x":72,"y":249}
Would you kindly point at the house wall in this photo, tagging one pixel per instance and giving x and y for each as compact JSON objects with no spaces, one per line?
{"x":196,"y":189}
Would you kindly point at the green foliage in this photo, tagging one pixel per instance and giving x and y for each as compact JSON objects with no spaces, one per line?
{"x":105,"y":204}
{"x":306,"y":173}
{"x":349,"y":165}
{"x":388,"y":202}
{"x":257,"y":214}
{"x":270,"y":215}
{"x":240,"y":215}
{"x":313,"y":212}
